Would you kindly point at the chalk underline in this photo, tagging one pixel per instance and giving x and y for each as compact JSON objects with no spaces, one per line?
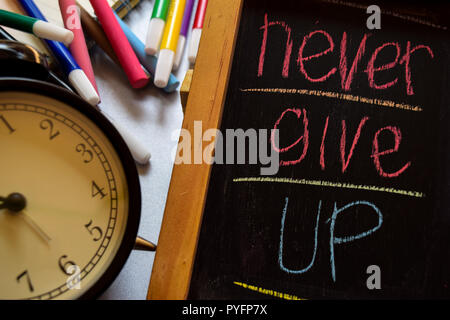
{"x":337,"y":95}
{"x":269,"y":292}
{"x":323,"y":183}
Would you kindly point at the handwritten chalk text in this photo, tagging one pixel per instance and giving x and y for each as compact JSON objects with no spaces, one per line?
{"x":334,"y":240}
{"x":345,"y":156}
{"x":347,"y":66}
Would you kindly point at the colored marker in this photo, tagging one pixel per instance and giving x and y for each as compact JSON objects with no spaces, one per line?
{"x":156,"y":26}
{"x":95,"y":31}
{"x":39,"y":28}
{"x":183,"y":33}
{"x":75,"y":74}
{"x":169,"y":43}
{"x":149,"y":62}
{"x":197,"y":30}
{"x":120,"y":44}
{"x":71,"y":18}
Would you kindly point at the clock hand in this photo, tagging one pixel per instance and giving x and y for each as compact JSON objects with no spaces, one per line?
{"x":16,"y":203}
{"x":35,"y":226}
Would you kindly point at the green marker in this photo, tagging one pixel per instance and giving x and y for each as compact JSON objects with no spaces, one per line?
{"x":39,"y":28}
{"x":156,"y":26}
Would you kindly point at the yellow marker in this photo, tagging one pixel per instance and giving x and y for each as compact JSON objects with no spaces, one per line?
{"x":169,"y":43}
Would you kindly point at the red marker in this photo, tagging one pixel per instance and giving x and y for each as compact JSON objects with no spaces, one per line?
{"x":197,"y":30}
{"x":71,"y":18}
{"x":120,"y":44}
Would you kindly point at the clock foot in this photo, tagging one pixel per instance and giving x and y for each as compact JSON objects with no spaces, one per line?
{"x":144,"y":245}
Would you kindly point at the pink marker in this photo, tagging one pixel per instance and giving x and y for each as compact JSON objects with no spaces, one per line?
{"x":71,"y":17}
{"x":120,"y":44}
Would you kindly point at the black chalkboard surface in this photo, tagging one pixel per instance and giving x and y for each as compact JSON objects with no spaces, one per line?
{"x":363,"y":184}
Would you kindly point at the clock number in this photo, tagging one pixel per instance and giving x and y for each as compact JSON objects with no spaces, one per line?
{"x":66,"y":266}
{"x":6,"y":123}
{"x":48,"y":124}
{"x":96,"y":190}
{"x":74,"y":281}
{"x":93,"y":230}
{"x":82,"y":148}
{"x":25,"y":273}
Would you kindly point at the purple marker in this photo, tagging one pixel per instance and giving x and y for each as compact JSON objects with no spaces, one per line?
{"x":183,"y":33}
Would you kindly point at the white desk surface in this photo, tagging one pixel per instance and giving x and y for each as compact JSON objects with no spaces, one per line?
{"x":152,"y":116}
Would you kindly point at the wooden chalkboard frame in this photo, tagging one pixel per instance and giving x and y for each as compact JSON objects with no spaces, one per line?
{"x":177,"y":242}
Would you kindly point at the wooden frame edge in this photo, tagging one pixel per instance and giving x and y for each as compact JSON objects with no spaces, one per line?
{"x":172,"y":268}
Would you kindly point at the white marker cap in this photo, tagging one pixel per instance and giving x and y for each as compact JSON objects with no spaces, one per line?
{"x":139,"y":152}
{"x":194,"y":44}
{"x":154,"y":35}
{"x":164,"y":67}
{"x":84,"y":87}
{"x":50,"y":31}
{"x":179,"y":53}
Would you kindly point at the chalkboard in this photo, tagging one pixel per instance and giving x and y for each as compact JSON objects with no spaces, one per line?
{"x":359,"y":207}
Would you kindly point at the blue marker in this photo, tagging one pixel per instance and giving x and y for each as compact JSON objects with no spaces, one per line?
{"x":149,"y":62}
{"x":75,"y":74}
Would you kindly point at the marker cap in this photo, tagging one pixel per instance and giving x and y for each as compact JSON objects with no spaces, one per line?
{"x":164,"y":67}
{"x":83,"y":86}
{"x":179,"y":53}
{"x":47,"y":30}
{"x":154,"y":36}
{"x":194,"y":44}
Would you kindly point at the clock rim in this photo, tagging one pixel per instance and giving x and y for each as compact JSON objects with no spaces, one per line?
{"x":123,"y":153}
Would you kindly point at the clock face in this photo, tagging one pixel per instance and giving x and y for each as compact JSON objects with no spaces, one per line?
{"x":68,"y":236}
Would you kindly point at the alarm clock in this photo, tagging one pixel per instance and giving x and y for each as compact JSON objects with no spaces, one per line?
{"x":70,"y":197}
